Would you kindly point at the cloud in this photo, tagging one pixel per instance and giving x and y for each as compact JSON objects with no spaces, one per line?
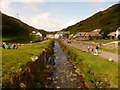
{"x":96,"y":4}
{"x":5,"y":5}
{"x":45,"y":20}
{"x":34,"y":6}
{"x":48,"y":22}
{"x":99,"y":3}
{"x":81,"y":0}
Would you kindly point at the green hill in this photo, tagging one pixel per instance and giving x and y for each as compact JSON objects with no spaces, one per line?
{"x":16,"y":30}
{"x":108,"y":20}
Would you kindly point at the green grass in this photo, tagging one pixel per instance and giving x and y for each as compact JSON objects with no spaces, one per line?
{"x":14,"y":59}
{"x":116,"y":51}
{"x":99,"y":41}
{"x":94,"y":68}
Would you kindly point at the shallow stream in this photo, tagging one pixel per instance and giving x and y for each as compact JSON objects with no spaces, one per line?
{"x":64,"y":75}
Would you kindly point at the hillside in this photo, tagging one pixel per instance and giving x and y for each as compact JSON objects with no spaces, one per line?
{"x":16,"y":30}
{"x":108,"y":20}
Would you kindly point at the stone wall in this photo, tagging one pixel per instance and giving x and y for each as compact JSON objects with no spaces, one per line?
{"x":110,"y":46}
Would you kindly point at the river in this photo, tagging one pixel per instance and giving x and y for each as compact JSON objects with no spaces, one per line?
{"x":64,"y":75}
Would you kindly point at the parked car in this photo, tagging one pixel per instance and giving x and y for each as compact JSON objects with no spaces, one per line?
{"x":68,"y":41}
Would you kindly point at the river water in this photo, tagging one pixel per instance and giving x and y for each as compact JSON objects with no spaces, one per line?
{"x":64,"y":75}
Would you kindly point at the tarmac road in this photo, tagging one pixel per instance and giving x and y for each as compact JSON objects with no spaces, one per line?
{"x":83,"y":46}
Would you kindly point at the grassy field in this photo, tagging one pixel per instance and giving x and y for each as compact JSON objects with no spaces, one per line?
{"x":98,"y":72}
{"x":15,"y":59}
{"x":116,"y":51}
{"x":99,"y":41}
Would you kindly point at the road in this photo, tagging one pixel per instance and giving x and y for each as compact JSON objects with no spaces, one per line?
{"x":103,"y":54}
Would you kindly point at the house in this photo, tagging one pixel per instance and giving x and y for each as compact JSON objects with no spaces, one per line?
{"x":93,"y":34}
{"x":117,"y":32}
{"x":33,"y":32}
{"x":58,"y":35}
{"x":71,"y":35}
{"x":112,"y":35}
{"x":36,"y":33}
{"x":62,"y":34}
{"x":87,"y":34}
{"x":50,"y":36}
{"x":80,"y":35}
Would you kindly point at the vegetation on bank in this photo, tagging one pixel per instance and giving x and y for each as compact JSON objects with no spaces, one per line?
{"x":14,"y":60}
{"x":106,"y":20}
{"x":116,"y":51}
{"x":99,"y":41}
{"x":97,"y":72}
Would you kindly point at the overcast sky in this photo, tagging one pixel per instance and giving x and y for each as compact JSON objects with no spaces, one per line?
{"x":53,"y":15}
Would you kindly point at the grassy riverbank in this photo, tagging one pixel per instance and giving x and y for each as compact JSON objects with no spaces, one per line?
{"x":14,"y":60}
{"x":99,"y":41}
{"x":116,"y":51}
{"x":97,"y":72}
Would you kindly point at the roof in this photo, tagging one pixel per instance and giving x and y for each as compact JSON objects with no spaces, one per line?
{"x":93,"y":34}
{"x":80,"y":34}
{"x":39,"y":34}
{"x":96,"y":30}
{"x":71,"y":35}
{"x":118,"y":29}
{"x":112,"y":34}
{"x":63,"y":32}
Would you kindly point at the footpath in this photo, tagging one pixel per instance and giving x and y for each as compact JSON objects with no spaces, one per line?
{"x":103,"y":54}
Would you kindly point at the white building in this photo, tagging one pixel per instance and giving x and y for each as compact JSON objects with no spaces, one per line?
{"x":112,"y":35}
{"x":61,"y":34}
{"x":36,"y":33}
{"x":117,"y":32}
{"x":71,"y":35}
{"x":58,"y":35}
{"x":79,"y":34}
{"x":50,"y":36}
{"x":33,"y":32}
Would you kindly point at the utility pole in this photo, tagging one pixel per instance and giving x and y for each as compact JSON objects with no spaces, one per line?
{"x":17,"y":15}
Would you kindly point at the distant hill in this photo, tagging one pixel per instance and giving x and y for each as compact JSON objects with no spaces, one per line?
{"x":107,"y":20}
{"x":16,"y":30}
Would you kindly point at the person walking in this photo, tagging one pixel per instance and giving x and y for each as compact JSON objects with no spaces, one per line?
{"x":97,"y":49}
{"x":92,"y":50}
{"x":88,"y":49}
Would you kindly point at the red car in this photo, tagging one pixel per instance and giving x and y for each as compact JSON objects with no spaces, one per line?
{"x":68,"y":41}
